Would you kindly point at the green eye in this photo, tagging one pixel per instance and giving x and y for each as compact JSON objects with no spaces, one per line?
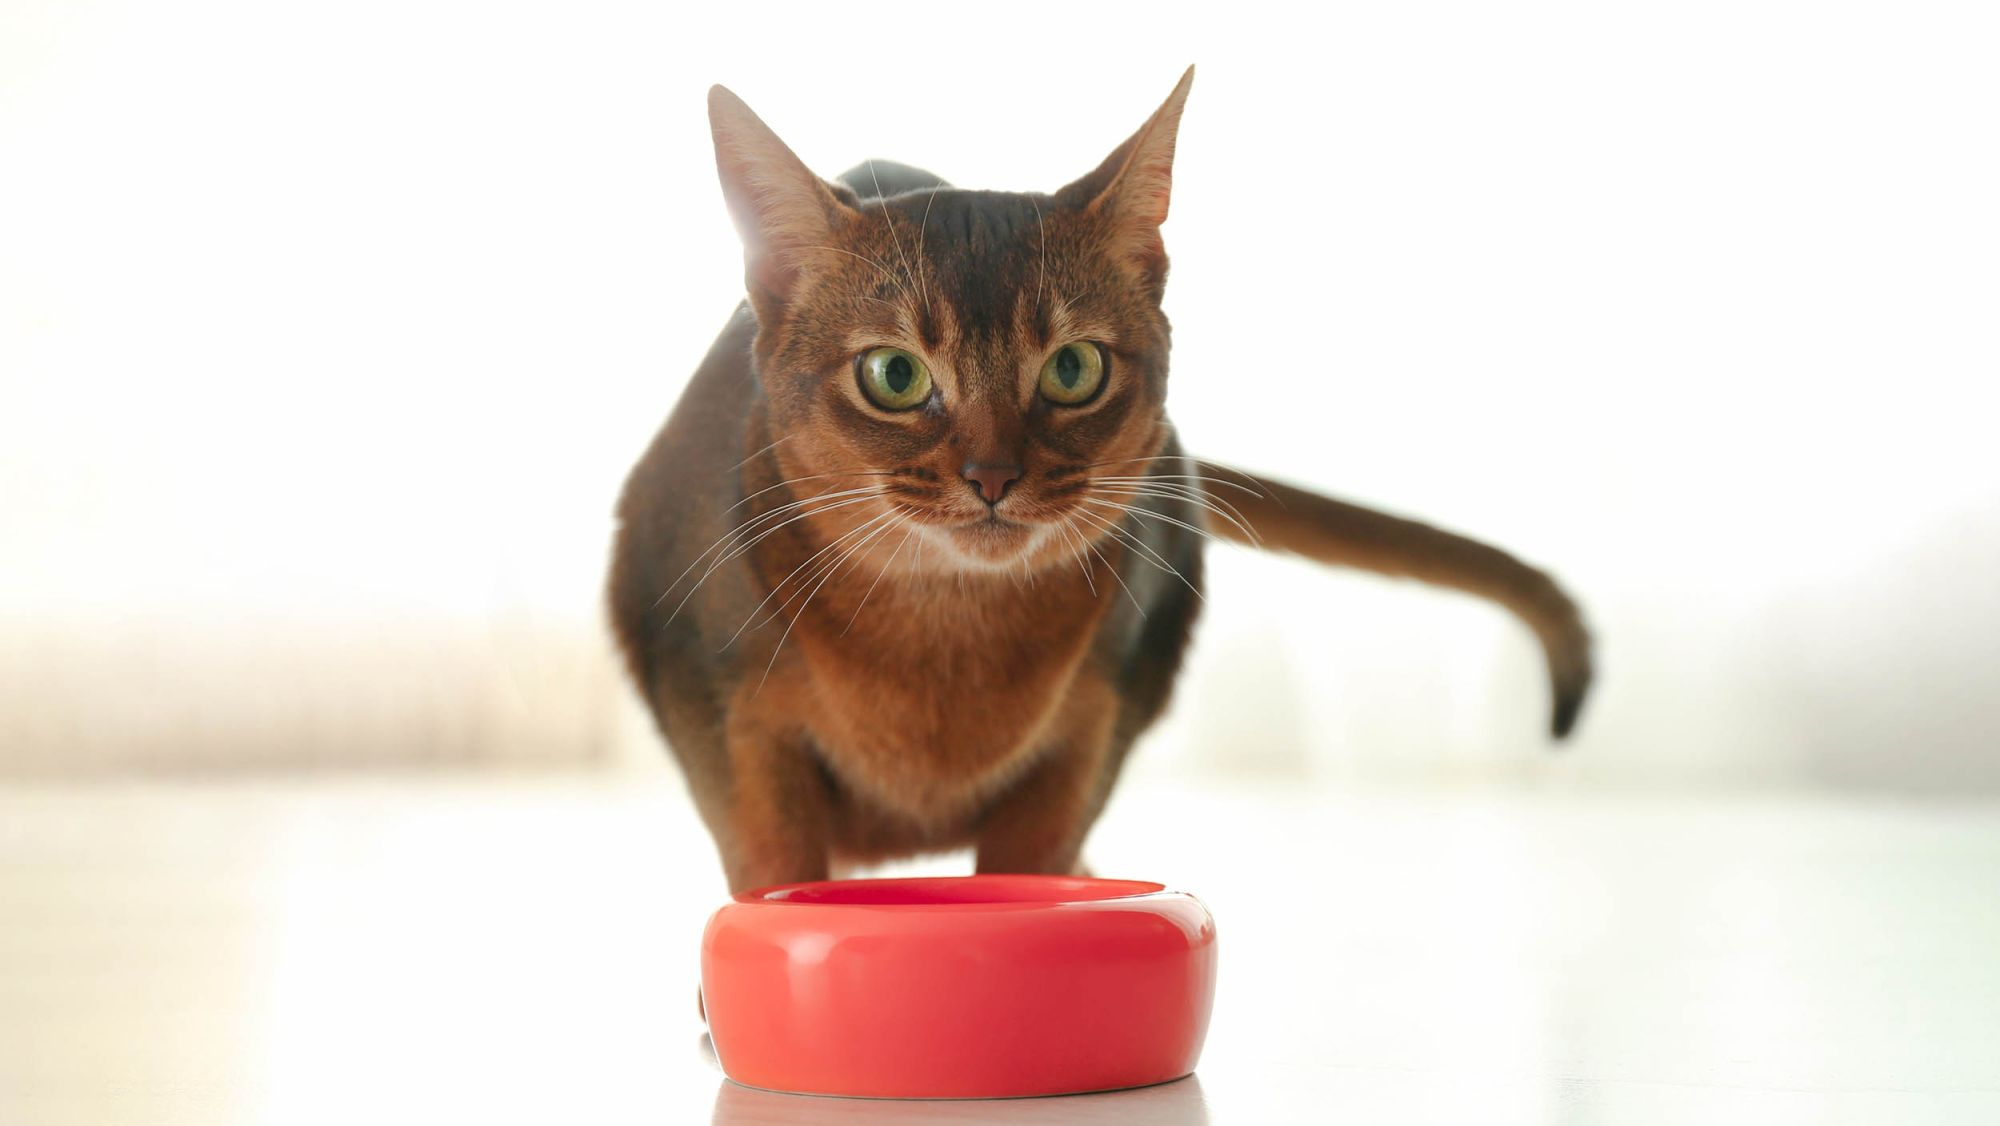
{"x":1073,"y":374}
{"x":893,"y":379}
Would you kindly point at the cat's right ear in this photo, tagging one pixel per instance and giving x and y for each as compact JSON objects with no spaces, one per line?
{"x":781,"y":209}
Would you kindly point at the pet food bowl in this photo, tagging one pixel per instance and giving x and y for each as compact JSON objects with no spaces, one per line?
{"x":958,"y":987}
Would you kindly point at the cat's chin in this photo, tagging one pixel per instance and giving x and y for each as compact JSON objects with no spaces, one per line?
{"x":992,"y":544}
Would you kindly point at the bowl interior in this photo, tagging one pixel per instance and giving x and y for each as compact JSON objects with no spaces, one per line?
{"x":943,"y":891}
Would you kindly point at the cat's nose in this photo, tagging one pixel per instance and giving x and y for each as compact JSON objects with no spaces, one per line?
{"x":991,"y":481}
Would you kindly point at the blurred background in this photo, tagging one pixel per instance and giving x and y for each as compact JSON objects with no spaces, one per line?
{"x":327,"y":333}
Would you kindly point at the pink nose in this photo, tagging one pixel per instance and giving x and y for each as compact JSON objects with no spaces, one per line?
{"x":991,"y":480}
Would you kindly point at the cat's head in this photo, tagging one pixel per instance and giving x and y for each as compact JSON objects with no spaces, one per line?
{"x":973,"y":358}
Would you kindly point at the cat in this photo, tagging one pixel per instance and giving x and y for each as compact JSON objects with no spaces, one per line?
{"x":916,"y":557}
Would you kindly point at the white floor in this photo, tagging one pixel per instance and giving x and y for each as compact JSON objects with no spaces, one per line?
{"x":444,"y":951}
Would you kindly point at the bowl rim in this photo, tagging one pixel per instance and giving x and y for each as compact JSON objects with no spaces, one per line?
{"x":1062,"y":891}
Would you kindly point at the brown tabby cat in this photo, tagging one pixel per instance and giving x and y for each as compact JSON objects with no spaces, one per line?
{"x":916,"y":557}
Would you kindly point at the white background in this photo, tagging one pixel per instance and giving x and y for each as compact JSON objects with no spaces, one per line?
{"x":327,"y":332}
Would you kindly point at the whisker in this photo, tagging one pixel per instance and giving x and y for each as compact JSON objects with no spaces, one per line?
{"x":1136,"y":460}
{"x":905,"y":542}
{"x":1179,"y":457}
{"x":819,"y":571}
{"x":1183,"y":477}
{"x":730,"y":533}
{"x":1092,"y":548}
{"x":823,"y":566}
{"x":1195,"y":498}
{"x":859,"y":257}
{"x":923,"y":264}
{"x":1193,"y":493}
{"x":1127,"y":539}
{"x":1068,"y":534}
{"x":1062,"y":307}
{"x":864,"y":495}
{"x":780,"y":584}
{"x":796,"y":480}
{"x":739,"y":550}
{"x":849,"y":554}
{"x":1139,"y":545}
{"x":1042,"y":230}
{"x":793,"y":506}
{"x":758,"y":454}
{"x":1135,"y":510}
{"x":1200,"y":498}
{"x":890,"y":219}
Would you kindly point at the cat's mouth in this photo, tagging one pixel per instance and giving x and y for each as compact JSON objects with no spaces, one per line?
{"x":990,"y":525}
{"x":992,"y":537}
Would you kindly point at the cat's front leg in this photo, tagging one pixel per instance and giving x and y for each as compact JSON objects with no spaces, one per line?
{"x":778,"y":809}
{"x":1038,"y":824}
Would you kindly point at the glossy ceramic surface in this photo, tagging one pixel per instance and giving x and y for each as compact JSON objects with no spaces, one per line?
{"x":958,"y":987}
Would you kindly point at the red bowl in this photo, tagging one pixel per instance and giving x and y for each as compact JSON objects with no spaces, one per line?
{"x":958,"y":987}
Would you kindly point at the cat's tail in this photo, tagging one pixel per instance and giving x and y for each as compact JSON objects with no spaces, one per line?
{"x":1265,"y":513}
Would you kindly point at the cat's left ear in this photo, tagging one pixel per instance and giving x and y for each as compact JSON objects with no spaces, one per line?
{"x":1133,"y":185}
{"x":781,"y":208}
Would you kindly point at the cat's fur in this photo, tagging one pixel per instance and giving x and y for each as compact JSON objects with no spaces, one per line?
{"x":853,"y":653}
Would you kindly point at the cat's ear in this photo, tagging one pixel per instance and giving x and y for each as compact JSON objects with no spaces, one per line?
{"x":1133,"y":185}
{"x":779,"y":206}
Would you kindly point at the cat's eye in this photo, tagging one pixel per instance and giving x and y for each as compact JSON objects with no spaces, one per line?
{"x":1073,"y":374}
{"x":894,"y":379}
